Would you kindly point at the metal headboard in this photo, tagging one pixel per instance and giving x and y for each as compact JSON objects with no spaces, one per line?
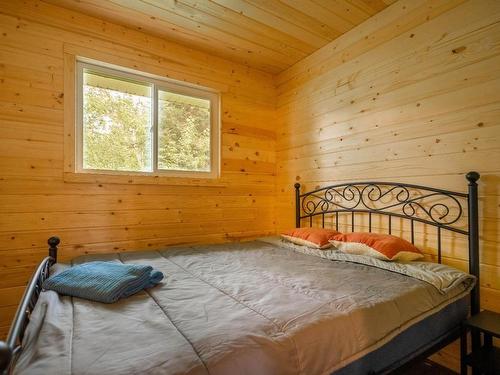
{"x":439,"y":208}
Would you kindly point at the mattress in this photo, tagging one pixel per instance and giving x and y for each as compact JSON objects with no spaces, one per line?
{"x":247,"y":308}
{"x":412,"y":342}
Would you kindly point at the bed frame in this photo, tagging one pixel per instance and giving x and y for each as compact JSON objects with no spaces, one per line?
{"x":10,"y":349}
{"x":443,"y":209}
{"x":394,"y":200}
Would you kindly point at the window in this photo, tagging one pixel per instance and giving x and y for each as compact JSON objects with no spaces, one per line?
{"x":134,"y":123}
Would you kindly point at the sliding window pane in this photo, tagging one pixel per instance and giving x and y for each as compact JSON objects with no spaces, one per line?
{"x":183,"y":132}
{"x":116,"y":123}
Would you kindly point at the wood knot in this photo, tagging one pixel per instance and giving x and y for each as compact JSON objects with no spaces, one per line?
{"x":458,"y":49}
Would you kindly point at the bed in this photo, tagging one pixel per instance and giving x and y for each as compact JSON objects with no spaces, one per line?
{"x":265,"y":306}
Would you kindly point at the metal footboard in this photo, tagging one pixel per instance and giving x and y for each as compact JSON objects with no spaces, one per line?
{"x":10,"y":349}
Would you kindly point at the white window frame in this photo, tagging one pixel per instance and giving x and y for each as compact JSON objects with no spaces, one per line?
{"x":157,"y":84}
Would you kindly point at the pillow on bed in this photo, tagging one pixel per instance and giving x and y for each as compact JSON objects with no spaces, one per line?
{"x":311,"y":237}
{"x":380,"y":246}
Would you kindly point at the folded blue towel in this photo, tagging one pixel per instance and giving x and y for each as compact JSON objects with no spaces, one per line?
{"x":103,"y":281}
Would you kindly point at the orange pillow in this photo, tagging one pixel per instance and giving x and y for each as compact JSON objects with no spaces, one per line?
{"x":380,"y":246}
{"x":312,"y":237}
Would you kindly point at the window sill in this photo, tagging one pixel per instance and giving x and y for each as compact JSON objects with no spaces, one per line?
{"x":134,"y":179}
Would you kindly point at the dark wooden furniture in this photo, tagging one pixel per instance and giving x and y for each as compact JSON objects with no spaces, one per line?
{"x":485,"y":358}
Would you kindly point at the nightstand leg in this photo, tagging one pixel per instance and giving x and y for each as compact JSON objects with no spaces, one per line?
{"x":476,"y":348}
{"x":488,"y":344}
{"x":463,"y":350}
{"x":488,"y":341}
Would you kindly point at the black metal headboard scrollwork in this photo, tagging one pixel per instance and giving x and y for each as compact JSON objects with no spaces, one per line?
{"x":446,"y":210}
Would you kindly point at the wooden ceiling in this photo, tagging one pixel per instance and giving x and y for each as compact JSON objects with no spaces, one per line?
{"x":269,"y":35}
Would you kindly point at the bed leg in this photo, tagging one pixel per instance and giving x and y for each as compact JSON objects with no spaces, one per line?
{"x":53,"y":242}
{"x":473,"y":177}
{"x":5,"y":356}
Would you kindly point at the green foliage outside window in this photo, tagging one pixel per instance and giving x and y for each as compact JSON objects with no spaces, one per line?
{"x":117,"y":130}
{"x":184,"y":135}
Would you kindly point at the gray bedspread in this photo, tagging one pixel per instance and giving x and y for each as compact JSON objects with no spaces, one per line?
{"x":252,"y":308}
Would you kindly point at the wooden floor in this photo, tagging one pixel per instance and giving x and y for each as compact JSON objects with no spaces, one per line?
{"x":425,"y":368}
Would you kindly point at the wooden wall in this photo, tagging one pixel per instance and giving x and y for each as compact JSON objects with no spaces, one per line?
{"x":413,"y":95}
{"x":35,"y":201}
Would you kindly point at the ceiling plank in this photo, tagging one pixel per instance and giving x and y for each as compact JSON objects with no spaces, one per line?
{"x":251,"y":38}
{"x":213,"y":29}
{"x":130,"y":18}
{"x":316,"y":11}
{"x":348,"y":11}
{"x":298,"y":18}
{"x":369,"y":6}
{"x":269,"y":35}
{"x":237,"y":18}
{"x":256,"y":13}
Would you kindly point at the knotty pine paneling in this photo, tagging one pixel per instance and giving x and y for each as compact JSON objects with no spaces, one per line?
{"x":411,"y":95}
{"x":35,"y":201}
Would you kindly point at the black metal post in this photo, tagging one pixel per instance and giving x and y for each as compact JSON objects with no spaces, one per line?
{"x":473,"y":201}
{"x":53,"y":242}
{"x":473,"y":177}
{"x":297,"y":205}
{"x":5,"y":357}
